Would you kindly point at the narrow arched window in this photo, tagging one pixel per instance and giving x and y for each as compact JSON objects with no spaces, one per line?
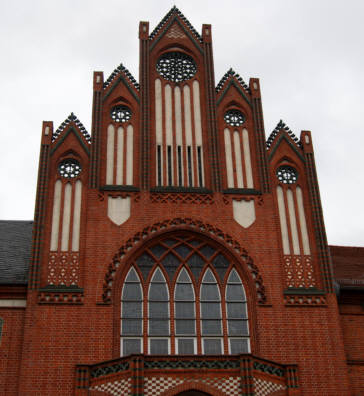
{"x":158,"y":314}
{"x":132,"y":315}
{"x":211,"y":329}
{"x":185,"y":314}
{"x":237,"y":316}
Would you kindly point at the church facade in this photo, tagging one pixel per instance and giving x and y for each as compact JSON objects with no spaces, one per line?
{"x":176,"y":250}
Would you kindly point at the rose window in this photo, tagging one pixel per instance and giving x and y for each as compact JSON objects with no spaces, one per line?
{"x":120,"y":113}
{"x":69,"y":168}
{"x":234,"y":117}
{"x":287,"y":174}
{"x":176,"y":66}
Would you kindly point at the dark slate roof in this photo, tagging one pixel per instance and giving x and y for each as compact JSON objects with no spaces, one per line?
{"x":15,"y":247}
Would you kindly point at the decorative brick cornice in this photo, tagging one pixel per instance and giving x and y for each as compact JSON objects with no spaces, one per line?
{"x":174,"y":11}
{"x":197,"y":225}
{"x":71,"y":118}
{"x":226,"y":76}
{"x":281,"y":126}
{"x":121,"y":69}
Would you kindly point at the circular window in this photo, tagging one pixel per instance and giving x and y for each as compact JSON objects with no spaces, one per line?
{"x":176,"y":66}
{"x":234,"y":117}
{"x":120,"y":113}
{"x":287,"y":174}
{"x":69,"y":168}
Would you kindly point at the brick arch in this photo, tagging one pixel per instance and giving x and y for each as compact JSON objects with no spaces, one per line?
{"x":202,"y":389}
{"x":135,"y":242}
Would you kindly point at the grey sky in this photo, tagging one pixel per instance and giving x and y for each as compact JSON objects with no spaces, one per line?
{"x":308,"y":55}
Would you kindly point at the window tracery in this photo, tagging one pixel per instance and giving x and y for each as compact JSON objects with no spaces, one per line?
{"x":190,"y":289}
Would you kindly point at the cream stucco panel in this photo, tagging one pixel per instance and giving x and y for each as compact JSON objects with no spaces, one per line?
{"x":244,"y":212}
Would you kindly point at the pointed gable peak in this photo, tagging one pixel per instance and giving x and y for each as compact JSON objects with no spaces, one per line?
{"x":72,"y":119}
{"x":174,"y":12}
{"x":281,"y":126}
{"x":121,"y":69}
{"x":231,"y":74}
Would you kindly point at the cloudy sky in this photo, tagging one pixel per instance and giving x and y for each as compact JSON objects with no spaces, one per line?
{"x":308,"y":55}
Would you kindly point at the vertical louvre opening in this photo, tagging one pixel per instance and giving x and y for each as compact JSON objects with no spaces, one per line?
{"x":179,"y":157}
{"x":159,"y":164}
{"x":189,"y":160}
{"x":199,"y":162}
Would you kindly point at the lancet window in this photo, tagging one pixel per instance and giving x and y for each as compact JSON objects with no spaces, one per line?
{"x":182,"y":295}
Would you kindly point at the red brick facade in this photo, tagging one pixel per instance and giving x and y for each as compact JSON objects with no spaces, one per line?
{"x":178,"y":171}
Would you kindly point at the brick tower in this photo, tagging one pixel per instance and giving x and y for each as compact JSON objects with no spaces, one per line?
{"x":176,"y":251}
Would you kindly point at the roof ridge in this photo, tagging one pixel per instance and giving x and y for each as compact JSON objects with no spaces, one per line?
{"x":174,"y":10}
{"x":117,"y":71}
{"x":226,"y":76}
{"x":281,"y":125}
{"x":71,"y":118}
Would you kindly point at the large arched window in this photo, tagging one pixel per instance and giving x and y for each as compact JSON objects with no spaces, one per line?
{"x":182,"y":295}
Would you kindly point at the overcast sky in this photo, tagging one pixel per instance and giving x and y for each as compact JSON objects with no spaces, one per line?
{"x":308,"y":55}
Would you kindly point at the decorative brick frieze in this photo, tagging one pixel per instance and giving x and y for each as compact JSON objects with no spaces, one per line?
{"x":59,"y":295}
{"x":299,"y":271}
{"x":63,"y":268}
{"x":198,"y":199}
{"x":305,"y":299}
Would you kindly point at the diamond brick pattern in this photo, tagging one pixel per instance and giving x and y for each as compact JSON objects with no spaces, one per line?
{"x":155,"y":386}
{"x":263,"y":387}
{"x":116,"y":388}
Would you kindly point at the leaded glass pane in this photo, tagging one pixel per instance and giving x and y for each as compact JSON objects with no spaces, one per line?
{"x":184,"y":310}
{"x":211,"y":327}
{"x":212,"y":346}
{"x":170,"y":242}
{"x":131,"y":346}
{"x":158,"y":292}
{"x":196,"y":264}
{"x":132,"y":276}
{"x":183,"y":250}
{"x":158,"y":310}
{"x":236,"y":310}
{"x":210,"y":310}
{"x":186,"y":346}
{"x":183,"y":276}
{"x":237,"y":327}
{"x":239,"y":345}
{"x":158,"y":250}
{"x":184,"y":326}
{"x":159,"y":347}
{"x":207,"y":251}
{"x":132,"y":310}
{"x":235,"y":292}
{"x":131,"y":326}
{"x":158,"y":327}
{"x":221,"y":264}
{"x":132,"y":291}
{"x":209,"y":292}
{"x":171,"y":263}
{"x":209,"y":277}
{"x":234,"y":277}
{"x":158,"y":276}
{"x":184,"y":292}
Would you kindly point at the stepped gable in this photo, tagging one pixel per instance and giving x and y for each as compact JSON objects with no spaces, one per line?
{"x":174,"y":11}
{"x":231,"y":74}
{"x":281,"y":126}
{"x":121,"y":69}
{"x":71,"y":118}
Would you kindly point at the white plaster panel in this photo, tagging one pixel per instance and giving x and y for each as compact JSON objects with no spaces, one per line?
{"x":118,"y":209}
{"x":197,"y":113}
{"x":66,"y":217}
{"x":77,"y":217}
{"x":158,"y":111}
{"x":129,"y":155}
{"x":229,"y":160}
{"x":178,"y":115}
{"x":56,"y":214}
{"x":293,"y":222}
{"x":238,"y":163}
{"x":244,"y":212}
{"x":247,"y":159}
{"x":120,"y":156}
{"x":110,"y":155}
{"x":12,"y":303}
{"x":283,"y":220}
{"x":302,"y":217}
